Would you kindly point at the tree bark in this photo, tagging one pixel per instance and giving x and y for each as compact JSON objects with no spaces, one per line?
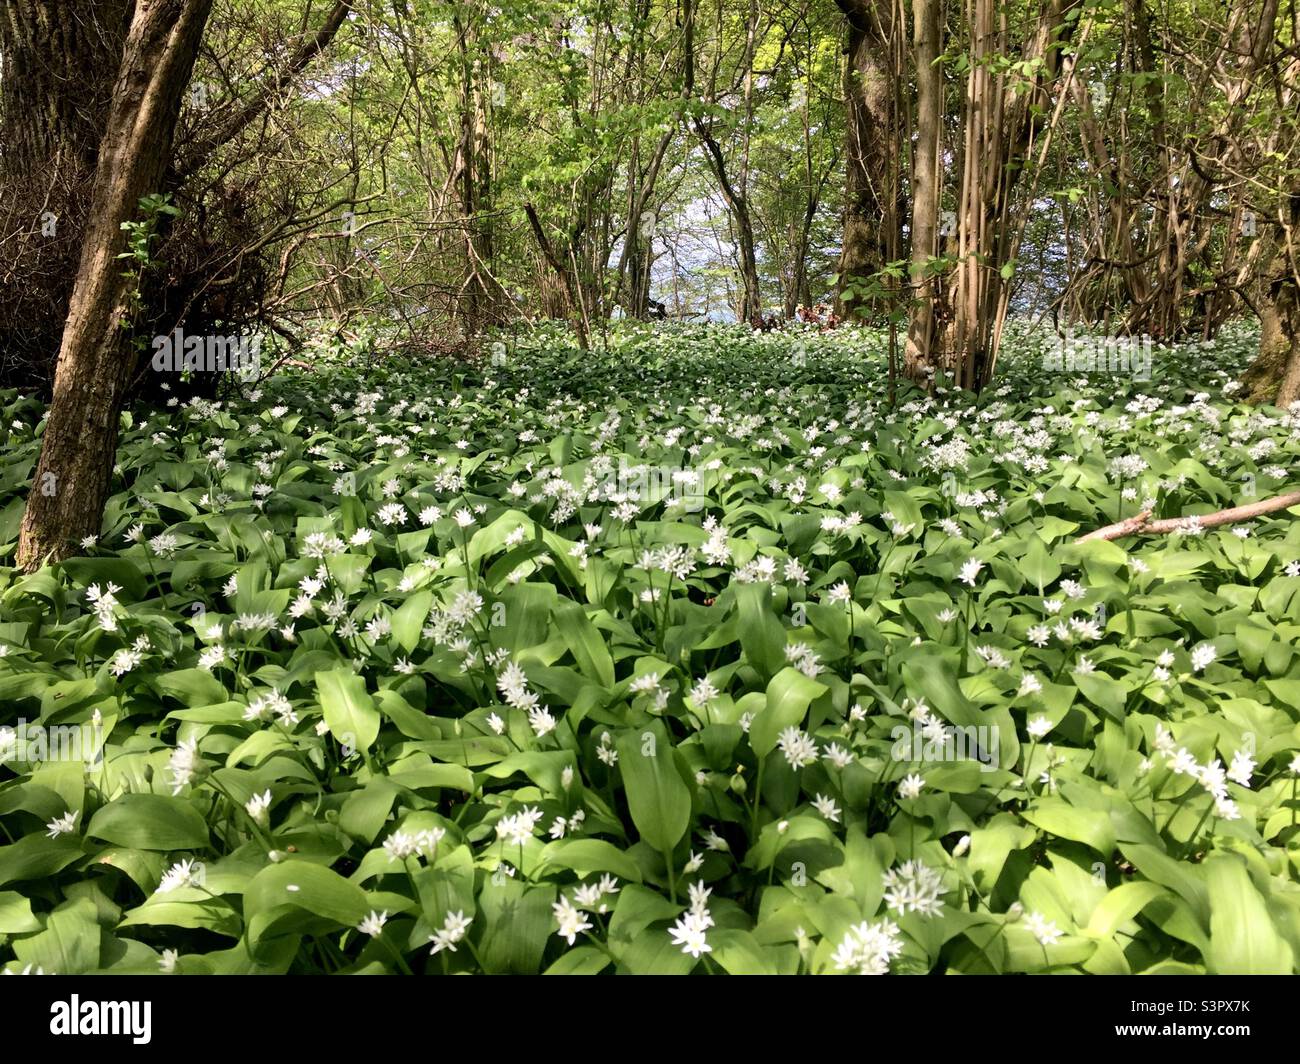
{"x":917,"y":359}
{"x":565,"y":275}
{"x":868,"y":90}
{"x":60,"y":58}
{"x":1001,"y":120}
{"x":1142,"y":525}
{"x":95,"y":358}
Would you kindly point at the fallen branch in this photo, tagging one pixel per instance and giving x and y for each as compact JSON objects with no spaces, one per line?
{"x":1141,"y":525}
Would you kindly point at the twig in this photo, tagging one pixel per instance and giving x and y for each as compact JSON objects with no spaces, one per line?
{"x":1140,"y":525}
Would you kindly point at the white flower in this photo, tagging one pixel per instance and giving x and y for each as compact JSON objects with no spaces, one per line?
{"x":258,"y":805}
{"x":541,"y":720}
{"x":1038,"y":727}
{"x":914,"y":887}
{"x":182,"y":874}
{"x":1241,"y":768}
{"x":182,"y":764}
{"x":124,"y":661}
{"x":1043,"y":929}
{"x":826,"y":806}
{"x":373,"y":924}
{"x":1225,"y":808}
{"x":63,"y":825}
{"x":910,"y":786}
{"x":1030,"y":684}
{"x":167,"y":962}
{"x":993,"y":657}
{"x":163,"y":545}
{"x":868,"y":948}
{"x":970,"y":570}
{"x":605,"y":751}
{"x":689,"y":933}
{"x":1073,"y":589}
{"x":1202,"y":656}
{"x":573,"y":921}
{"x":797,"y":748}
{"x":518,"y":827}
{"x":592,"y":895}
{"x":453,"y":930}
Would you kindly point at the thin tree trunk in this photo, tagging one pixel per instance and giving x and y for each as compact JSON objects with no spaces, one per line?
{"x":917,"y":360}
{"x":95,"y":358}
{"x":577,"y":313}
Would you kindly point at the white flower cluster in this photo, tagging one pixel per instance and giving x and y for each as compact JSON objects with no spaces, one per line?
{"x":868,"y":948}
{"x":689,"y":931}
{"x":1212,"y":775}
{"x":513,"y":685}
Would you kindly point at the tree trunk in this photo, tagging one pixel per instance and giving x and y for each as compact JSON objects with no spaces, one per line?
{"x":1273,"y":376}
{"x":1002,"y":118}
{"x":868,"y":89}
{"x":1266,"y":370}
{"x":917,"y":359}
{"x":59,"y":59}
{"x":577,"y":311}
{"x":95,"y":358}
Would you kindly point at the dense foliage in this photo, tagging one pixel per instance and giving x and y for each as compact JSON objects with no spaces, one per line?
{"x":688,"y":653}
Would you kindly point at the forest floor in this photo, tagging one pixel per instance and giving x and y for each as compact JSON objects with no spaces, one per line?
{"x":689,"y":653}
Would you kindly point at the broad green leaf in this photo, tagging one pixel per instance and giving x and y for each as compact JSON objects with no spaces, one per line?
{"x":349,"y":709}
{"x":657,"y":796}
{"x":150,"y":822}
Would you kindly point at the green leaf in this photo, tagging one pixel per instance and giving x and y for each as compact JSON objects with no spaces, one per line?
{"x":788,"y":697}
{"x":1243,"y":939}
{"x":408,"y":620}
{"x":70,"y":943}
{"x":762,"y":635}
{"x":584,"y":642}
{"x":1038,"y":565}
{"x":349,"y":710}
{"x":1079,"y":825}
{"x":308,"y":894}
{"x":518,"y":921}
{"x":16,"y":916}
{"x":585,"y":856}
{"x":150,"y":822}
{"x":657,"y":796}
